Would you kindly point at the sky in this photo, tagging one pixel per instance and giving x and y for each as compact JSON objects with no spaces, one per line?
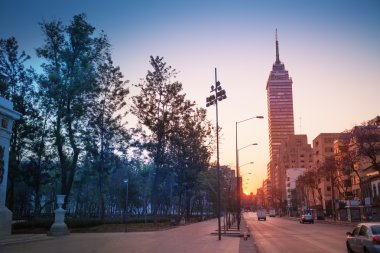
{"x":330,"y":48}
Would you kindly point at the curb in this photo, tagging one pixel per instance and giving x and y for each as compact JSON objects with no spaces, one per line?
{"x":344,"y":223}
{"x":15,"y":239}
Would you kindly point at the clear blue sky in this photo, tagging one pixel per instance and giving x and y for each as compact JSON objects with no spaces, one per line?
{"x":330,"y":48}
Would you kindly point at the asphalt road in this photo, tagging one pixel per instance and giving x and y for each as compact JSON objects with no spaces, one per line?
{"x":283,"y":235}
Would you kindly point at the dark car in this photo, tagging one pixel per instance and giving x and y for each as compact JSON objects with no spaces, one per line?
{"x":364,"y":238}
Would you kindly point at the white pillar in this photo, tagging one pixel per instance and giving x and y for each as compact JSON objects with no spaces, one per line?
{"x":7,"y":117}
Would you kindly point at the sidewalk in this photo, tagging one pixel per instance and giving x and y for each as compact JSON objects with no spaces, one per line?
{"x":24,"y":238}
{"x":189,"y":238}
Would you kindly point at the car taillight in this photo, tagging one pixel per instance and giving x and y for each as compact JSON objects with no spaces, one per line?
{"x":376,"y":239}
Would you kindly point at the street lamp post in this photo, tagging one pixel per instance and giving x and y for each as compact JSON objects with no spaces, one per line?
{"x":125,"y":181}
{"x":219,"y":95}
{"x":238,"y":185}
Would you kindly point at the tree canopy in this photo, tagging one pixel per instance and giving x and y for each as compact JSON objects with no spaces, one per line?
{"x":74,"y":139}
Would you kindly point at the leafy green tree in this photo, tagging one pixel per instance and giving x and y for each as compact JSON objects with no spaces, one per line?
{"x":158,"y":107}
{"x":68,"y":86}
{"x":105,"y":130}
{"x":190,"y":156}
{"x":17,"y":86}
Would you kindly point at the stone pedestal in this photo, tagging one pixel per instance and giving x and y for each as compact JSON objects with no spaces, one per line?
{"x":7,"y":117}
{"x":59,"y":226}
{"x":183,"y":221}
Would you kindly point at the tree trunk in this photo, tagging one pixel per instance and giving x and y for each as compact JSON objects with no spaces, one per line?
{"x":12,"y":167}
{"x":37,"y":201}
{"x":100,"y":196}
{"x":154,"y":195}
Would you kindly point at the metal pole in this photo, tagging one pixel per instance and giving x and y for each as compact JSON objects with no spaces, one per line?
{"x":126,"y":223}
{"x":333,"y":196}
{"x":237,"y":179}
{"x":217,"y":159}
{"x":126,"y":205}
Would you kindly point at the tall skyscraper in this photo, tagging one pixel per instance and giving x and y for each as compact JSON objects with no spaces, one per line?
{"x":280,"y":112}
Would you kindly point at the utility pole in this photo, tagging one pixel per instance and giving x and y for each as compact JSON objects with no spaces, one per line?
{"x":220,"y":94}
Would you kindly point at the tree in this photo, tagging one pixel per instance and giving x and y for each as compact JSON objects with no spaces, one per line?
{"x":332,"y":168}
{"x":312,"y":183}
{"x":190,"y":156}
{"x":366,"y":142}
{"x":348,"y":158}
{"x":301,"y":188}
{"x":306,"y":184}
{"x":17,"y":86}
{"x":277,"y":197}
{"x":68,"y":86}
{"x":158,"y":107}
{"x":105,"y":130}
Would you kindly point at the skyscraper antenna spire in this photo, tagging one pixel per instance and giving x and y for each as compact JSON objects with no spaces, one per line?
{"x":277,"y":52}
{"x":276,"y":34}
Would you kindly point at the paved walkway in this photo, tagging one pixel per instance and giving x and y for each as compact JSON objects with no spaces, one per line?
{"x":190,"y":238}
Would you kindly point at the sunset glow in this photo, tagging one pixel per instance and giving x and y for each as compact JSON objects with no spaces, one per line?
{"x":330,"y":48}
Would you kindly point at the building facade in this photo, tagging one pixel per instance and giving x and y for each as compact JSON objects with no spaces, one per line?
{"x":323,"y":148}
{"x":267,"y":193}
{"x":280,"y":112}
{"x":294,"y":153}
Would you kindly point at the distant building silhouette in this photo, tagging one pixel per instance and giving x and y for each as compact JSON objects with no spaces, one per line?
{"x":280,"y":114}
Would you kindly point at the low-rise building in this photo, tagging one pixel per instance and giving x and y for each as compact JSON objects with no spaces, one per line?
{"x":295,"y":152}
{"x":323,"y":148}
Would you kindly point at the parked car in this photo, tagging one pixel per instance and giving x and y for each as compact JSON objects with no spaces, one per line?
{"x":272,"y":212}
{"x":364,"y":238}
{"x":307,"y":217}
{"x":261,"y":214}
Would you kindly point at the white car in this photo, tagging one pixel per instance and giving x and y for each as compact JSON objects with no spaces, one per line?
{"x":261,"y":214}
{"x":307,"y":217}
{"x":272,"y":213}
{"x":364,"y":238}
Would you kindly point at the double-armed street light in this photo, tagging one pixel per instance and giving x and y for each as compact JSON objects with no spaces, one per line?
{"x":219,"y":95}
{"x":238,"y":185}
